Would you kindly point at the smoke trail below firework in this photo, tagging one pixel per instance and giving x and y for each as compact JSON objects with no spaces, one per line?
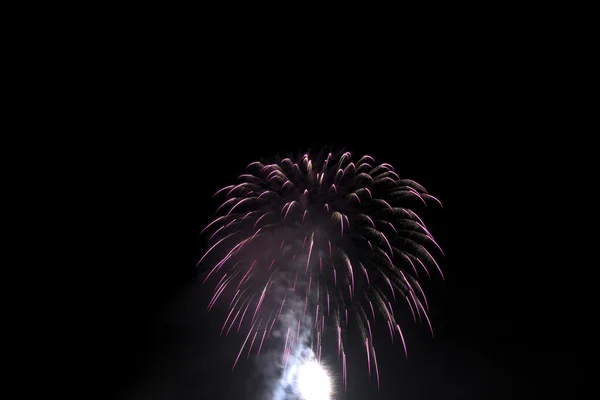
{"x":303,"y":247}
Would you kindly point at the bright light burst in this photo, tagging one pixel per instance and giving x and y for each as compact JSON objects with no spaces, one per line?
{"x":313,"y":381}
{"x":323,"y":239}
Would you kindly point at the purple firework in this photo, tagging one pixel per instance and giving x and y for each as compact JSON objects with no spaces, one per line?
{"x":335,"y":233}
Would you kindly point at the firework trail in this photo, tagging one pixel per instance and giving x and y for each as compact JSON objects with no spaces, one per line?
{"x":309,"y":245}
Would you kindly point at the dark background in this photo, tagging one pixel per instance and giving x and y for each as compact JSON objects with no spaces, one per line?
{"x":460,"y":130}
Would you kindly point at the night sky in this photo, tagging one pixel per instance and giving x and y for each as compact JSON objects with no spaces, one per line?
{"x":495,"y":338}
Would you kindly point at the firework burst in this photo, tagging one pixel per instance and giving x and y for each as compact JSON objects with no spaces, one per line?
{"x":325,"y":240}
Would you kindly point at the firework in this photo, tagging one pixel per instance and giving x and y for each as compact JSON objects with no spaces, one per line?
{"x":327,"y":242}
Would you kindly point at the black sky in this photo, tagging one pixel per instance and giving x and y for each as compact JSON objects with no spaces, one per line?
{"x":496,"y":333}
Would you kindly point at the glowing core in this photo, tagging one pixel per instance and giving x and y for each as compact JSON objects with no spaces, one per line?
{"x":313,"y":381}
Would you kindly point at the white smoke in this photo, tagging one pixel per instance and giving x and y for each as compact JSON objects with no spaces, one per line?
{"x":281,"y":367}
